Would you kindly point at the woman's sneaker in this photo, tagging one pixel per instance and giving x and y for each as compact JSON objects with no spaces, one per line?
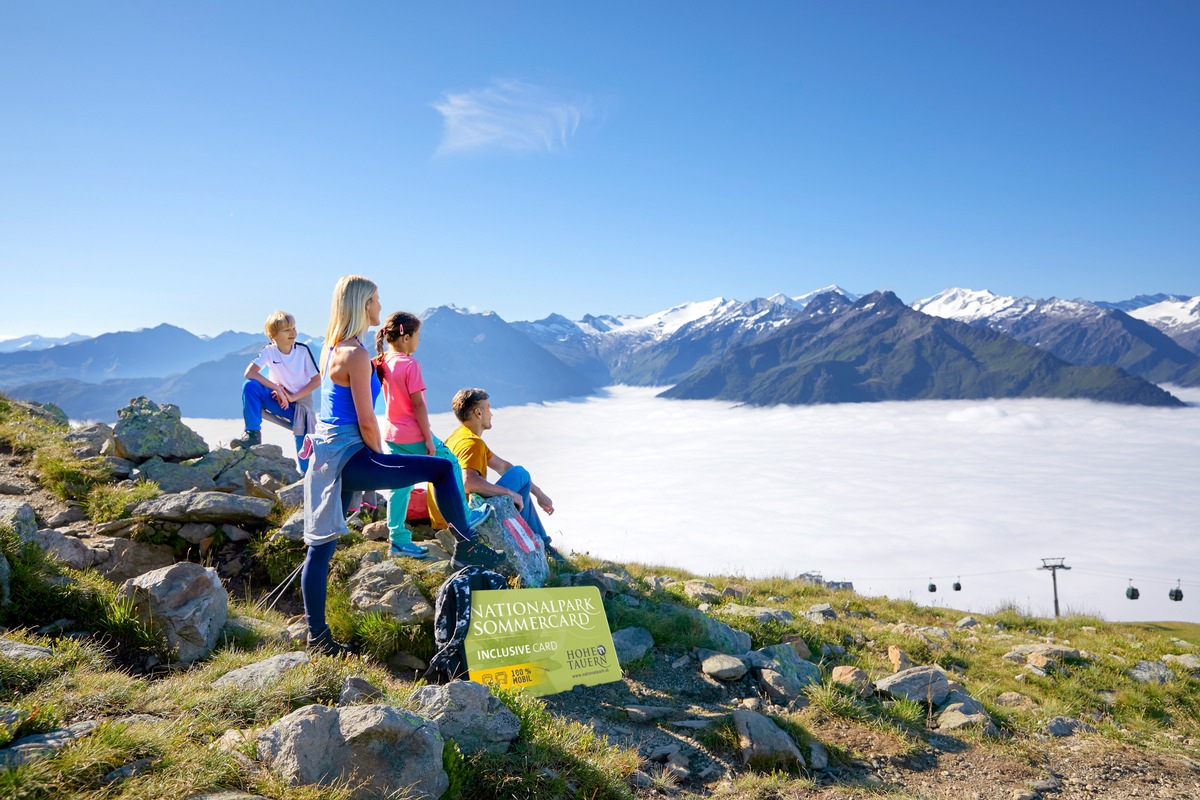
{"x":474,"y":552}
{"x":327,"y":646}
{"x":408,"y":550}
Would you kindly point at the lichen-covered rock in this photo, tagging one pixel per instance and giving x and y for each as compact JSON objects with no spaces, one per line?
{"x":145,"y":429}
{"x":765,"y":746}
{"x":173,"y":477}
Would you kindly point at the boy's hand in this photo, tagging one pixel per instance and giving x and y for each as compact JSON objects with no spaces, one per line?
{"x":517,"y":501}
{"x":546,"y":503}
{"x":281,"y":396}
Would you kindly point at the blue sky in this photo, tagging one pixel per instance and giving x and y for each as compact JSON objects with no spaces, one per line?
{"x":204,"y":163}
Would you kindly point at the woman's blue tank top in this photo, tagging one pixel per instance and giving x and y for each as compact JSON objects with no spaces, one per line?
{"x":337,"y":402}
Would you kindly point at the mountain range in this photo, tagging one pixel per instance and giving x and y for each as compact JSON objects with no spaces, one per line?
{"x":824,"y":346}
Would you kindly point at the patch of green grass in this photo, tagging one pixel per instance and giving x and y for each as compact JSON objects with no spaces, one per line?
{"x":382,"y":636}
{"x":277,"y":556}
{"x":721,"y":737}
{"x":107,"y":502}
{"x":672,"y":630}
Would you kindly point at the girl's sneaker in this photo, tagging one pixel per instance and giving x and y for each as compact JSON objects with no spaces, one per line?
{"x":478,"y":516}
{"x":409,"y":550}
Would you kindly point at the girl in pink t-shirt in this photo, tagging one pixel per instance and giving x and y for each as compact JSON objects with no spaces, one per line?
{"x":408,"y":428}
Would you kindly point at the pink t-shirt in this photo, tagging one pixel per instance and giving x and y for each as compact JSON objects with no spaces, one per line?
{"x":401,"y":378}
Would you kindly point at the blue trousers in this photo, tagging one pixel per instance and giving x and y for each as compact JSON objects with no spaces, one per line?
{"x":517,"y":480}
{"x":366,"y":471}
{"x":257,"y":400}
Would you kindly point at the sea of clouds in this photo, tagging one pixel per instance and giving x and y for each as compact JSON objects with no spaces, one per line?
{"x":887,"y":495}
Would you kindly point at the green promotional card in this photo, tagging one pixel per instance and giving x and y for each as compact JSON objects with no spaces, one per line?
{"x":542,"y":641}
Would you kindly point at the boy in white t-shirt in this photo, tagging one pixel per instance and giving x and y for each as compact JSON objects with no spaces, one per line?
{"x":284,"y":393}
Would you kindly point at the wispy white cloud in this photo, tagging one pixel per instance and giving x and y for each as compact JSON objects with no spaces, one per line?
{"x":510,"y":115}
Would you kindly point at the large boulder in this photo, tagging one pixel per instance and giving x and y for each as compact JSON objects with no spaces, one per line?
{"x":384,"y":588}
{"x":507,"y":532}
{"x":924,"y":684}
{"x":186,"y":602}
{"x":470,"y":714}
{"x":1151,"y":672}
{"x":783,"y":659}
{"x":145,"y":429}
{"x":19,"y":517}
{"x":378,"y":748}
{"x":31,"y":748}
{"x":205,"y":507}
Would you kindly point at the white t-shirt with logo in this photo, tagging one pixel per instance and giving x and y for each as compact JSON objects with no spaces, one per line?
{"x":291,"y":371}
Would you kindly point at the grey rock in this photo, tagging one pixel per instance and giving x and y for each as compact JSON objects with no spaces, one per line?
{"x":966,"y":622}
{"x":470,"y":714}
{"x":723,"y":667}
{"x":186,"y":601}
{"x":818,"y":756}
{"x":119,"y":559}
{"x":25,"y":652}
{"x":172,"y":477}
{"x":1151,"y":672}
{"x":145,"y":429}
{"x":765,"y":746}
{"x":822,"y":610}
{"x":379,"y":747}
{"x":90,"y":440}
{"x":261,"y":674}
{"x":648,"y":714}
{"x":701,"y":590}
{"x":31,"y":748}
{"x":119,"y":468}
{"x":632,"y":644}
{"x":205,"y":507}
{"x":69,"y":550}
{"x":5,"y":581}
{"x":1186,"y":662}
{"x":291,"y":495}
{"x":122,"y":774}
{"x":72,"y":514}
{"x":922,"y":684}
{"x":853,"y":678}
{"x":293,"y":527}
{"x":759,"y":613}
{"x":12,"y":488}
{"x":358,"y":690}
{"x":384,"y":588}
{"x":196,"y":532}
{"x":1065,"y":726}
{"x":19,"y":517}
{"x":781,"y":689}
{"x":784,"y":659}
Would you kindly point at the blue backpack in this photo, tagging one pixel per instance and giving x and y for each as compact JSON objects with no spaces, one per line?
{"x":452,"y":620}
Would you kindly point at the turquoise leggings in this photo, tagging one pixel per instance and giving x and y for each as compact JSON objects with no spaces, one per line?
{"x":397,"y":507}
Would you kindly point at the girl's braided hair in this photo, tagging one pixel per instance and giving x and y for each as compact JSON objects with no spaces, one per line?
{"x":399,"y":323}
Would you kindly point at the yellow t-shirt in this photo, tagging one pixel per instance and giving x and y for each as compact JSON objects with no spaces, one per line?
{"x":472,"y":451}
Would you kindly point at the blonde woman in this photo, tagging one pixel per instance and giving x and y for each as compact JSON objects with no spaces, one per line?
{"x":348,"y":456}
